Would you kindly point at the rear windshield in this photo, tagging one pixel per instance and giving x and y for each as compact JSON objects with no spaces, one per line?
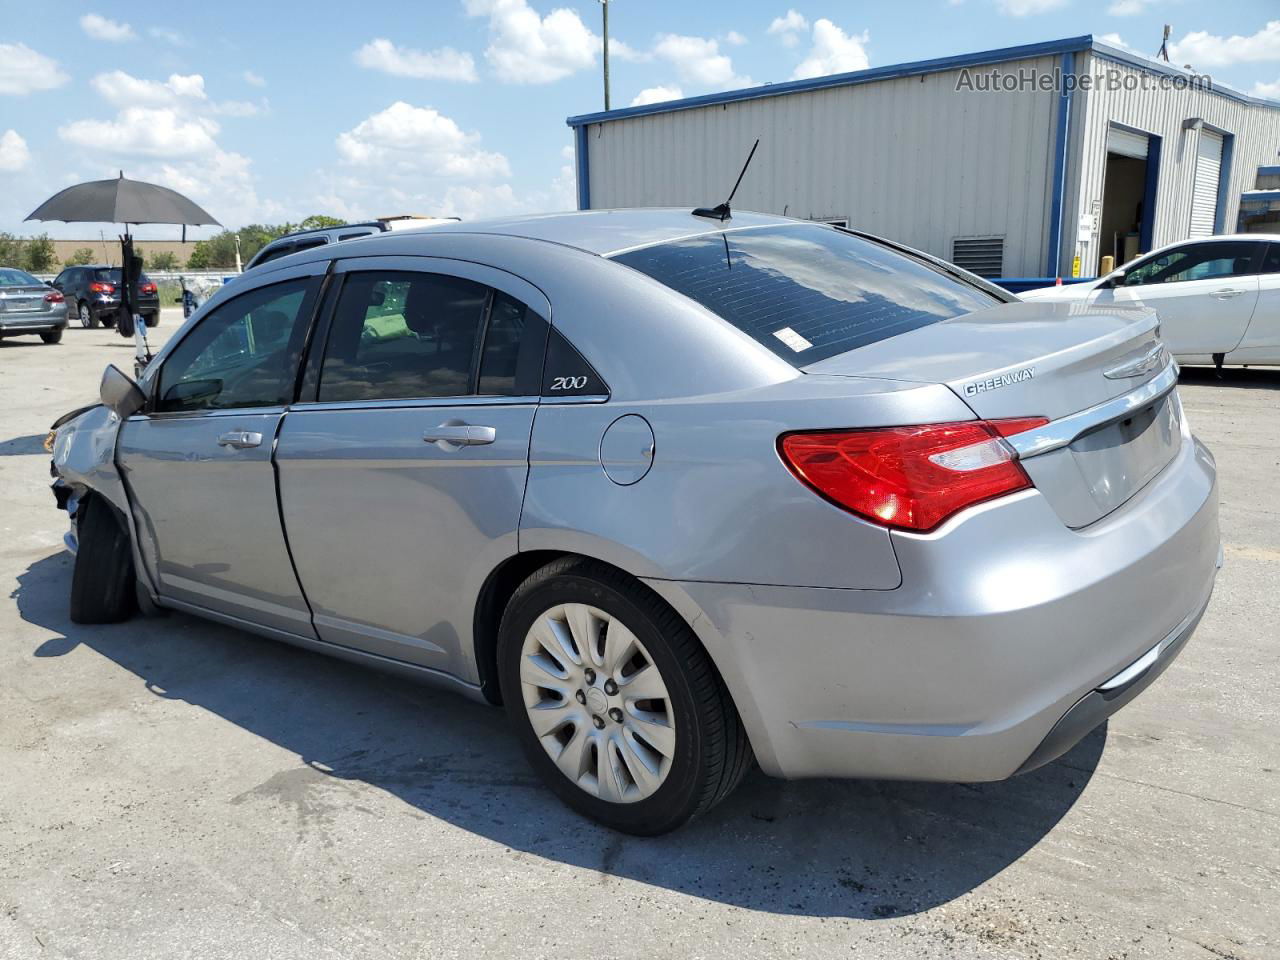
{"x":112,"y":275}
{"x":9,"y":277}
{"x":807,"y":292}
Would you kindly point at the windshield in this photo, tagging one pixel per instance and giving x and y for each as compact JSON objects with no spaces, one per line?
{"x":10,"y":277}
{"x":807,"y":292}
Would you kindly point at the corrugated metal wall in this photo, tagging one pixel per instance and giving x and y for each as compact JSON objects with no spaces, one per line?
{"x":1162,"y":112}
{"x":910,"y":158}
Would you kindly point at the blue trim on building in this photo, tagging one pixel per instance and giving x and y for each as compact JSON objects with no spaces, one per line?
{"x":1224,"y":182}
{"x":1259,"y":196}
{"x":1053,"y":264}
{"x":584,"y":167}
{"x":1146,"y":234}
{"x":916,"y":68}
{"x":1269,"y":171}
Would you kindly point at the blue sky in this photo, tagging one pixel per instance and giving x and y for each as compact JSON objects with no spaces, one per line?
{"x":273,"y":110}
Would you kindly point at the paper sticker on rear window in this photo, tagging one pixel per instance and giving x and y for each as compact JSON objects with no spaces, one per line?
{"x":792,"y":339}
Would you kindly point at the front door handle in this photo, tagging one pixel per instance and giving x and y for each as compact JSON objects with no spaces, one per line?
{"x":240,"y":439}
{"x":1227,"y":294}
{"x":450,"y":436}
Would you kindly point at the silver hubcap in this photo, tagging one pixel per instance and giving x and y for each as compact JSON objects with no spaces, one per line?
{"x":597,"y":703}
{"x":85,"y":319}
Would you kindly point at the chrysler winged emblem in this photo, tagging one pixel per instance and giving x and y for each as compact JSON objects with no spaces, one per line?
{"x":1151,"y":359}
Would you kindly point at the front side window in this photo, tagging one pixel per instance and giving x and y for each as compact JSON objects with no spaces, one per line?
{"x":807,"y":292}
{"x":1197,"y":261}
{"x":243,"y":354}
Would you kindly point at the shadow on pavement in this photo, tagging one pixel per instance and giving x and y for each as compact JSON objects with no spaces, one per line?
{"x":1250,"y":378}
{"x":22,"y":446}
{"x":860,"y":849}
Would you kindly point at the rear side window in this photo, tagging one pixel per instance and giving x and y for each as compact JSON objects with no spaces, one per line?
{"x":807,"y":292}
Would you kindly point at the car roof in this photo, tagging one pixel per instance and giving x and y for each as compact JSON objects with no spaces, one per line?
{"x":606,"y":232}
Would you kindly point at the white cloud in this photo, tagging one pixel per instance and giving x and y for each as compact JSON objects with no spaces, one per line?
{"x":157,"y":132}
{"x":1118,"y":41}
{"x":789,"y":26}
{"x":168,"y":35}
{"x":14,"y":154}
{"x":253,"y":79}
{"x":734,"y":39}
{"x":1127,"y":8}
{"x":445,"y":63}
{"x":834,"y":51}
{"x":23,"y":70}
{"x":526,"y":48}
{"x":1027,"y":8}
{"x":699,"y":62}
{"x":166,"y":133}
{"x":100,"y":28}
{"x":1269,"y":90}
{"x":623,"y":51}
{"x":1203,"y":49}
{"x":419,"y":141}
{"x":182,"y":92}
{"x":657,"y":94}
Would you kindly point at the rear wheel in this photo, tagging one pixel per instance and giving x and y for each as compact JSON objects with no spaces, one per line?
{"x":153,"y":319}
{"x":615,"y":702}
{"x":87,"y":319}
{"x":102,"y":584}
{"x":52,"y":336}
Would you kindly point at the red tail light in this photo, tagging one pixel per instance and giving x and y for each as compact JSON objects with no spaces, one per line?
{"x":148,"y":287}
{"x":97,"y":287}
{"x":54,"y":297}
{"x":910,"y":478}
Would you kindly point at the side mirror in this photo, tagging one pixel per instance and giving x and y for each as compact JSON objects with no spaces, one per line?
{"x":120,"y":394}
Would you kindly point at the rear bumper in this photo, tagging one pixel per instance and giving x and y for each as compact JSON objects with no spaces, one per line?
{"x":33,"y":323}
{"x":985,"y":661}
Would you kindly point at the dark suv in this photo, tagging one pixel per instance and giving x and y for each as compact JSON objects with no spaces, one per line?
{"x":93,"y":295}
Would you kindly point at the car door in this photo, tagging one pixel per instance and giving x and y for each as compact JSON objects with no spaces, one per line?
{"x":197,"y":461}
{"x":1204,"y":293}
{"x":1261,"y":342}
{"x":402,"y":468}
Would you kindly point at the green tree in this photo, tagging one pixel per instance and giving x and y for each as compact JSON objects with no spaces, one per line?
{"x":10,"y":250}
{"x":79,"y":257}
{"x":319,"y":221}
{"x":38,"y":254}
{"x":164,"y":260}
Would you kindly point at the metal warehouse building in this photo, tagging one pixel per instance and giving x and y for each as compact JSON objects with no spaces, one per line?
{"x":1011,"y":162}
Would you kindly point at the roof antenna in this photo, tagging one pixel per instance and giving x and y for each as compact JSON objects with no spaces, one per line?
{"x":721,"y":212}
{"x":1163,"y":52}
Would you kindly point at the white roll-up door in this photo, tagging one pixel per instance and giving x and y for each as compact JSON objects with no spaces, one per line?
{"x":1127,"y":144}
{"x":1204,"y":192}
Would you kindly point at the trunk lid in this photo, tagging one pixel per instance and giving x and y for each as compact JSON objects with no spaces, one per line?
{"x":1098,"y":374}
{"x":24,"y":299}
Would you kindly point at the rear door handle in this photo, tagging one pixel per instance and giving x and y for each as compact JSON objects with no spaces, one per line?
{"x":240,"y":439}
{"x":449,"y":436}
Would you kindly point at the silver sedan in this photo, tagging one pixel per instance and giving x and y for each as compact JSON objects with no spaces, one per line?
{"x":30,"y":307}
{"x":683,"y":495}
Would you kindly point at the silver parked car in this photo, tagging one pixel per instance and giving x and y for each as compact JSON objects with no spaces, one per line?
{"x":28,"y":306}
{"x":680,"y":493}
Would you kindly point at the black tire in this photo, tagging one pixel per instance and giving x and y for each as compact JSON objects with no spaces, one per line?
{"x":712,"y":753}
{"x":102,"y":584}
{"x":88,"y":319}
{"x":153,"y":319}
{"x":52,"y":336}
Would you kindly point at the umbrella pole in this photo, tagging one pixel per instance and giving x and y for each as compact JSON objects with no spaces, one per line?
{"x":141,"y":349}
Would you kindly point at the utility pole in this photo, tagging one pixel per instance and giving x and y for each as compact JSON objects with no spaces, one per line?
{"x":604,"y":4}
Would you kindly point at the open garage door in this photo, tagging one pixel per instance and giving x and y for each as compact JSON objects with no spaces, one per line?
{"x":1128,"y":193}
{"x":1204,"y":192}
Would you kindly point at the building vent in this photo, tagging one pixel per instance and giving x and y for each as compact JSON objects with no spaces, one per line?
{"x":981,"y":255}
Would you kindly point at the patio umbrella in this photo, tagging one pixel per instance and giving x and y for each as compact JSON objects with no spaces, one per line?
{"x":128,"y":202}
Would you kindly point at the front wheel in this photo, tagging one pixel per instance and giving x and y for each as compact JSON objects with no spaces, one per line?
{"x":102,"y":582}
{"x":52,"y":336}
{"x":616,"y":703}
